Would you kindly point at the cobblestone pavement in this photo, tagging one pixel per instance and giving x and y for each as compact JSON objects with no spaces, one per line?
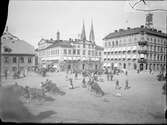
{"x":142,"y":103}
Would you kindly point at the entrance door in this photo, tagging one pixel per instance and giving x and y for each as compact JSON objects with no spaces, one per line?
{"x":124,"y":66}
{"x":141,"y":67}
{"x":83,"y":66}
{"x":95,"y":67}
{"x":69,"y":67}
{"x":135,"y":66}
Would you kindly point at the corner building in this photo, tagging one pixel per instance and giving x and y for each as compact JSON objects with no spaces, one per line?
{"x":140,"y":48}
{"x":78,"y":54}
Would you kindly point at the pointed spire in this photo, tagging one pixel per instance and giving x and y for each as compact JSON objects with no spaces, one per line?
{"x":83,"y":34}
{"x":91,"y":35}
{"x":58,"y":35}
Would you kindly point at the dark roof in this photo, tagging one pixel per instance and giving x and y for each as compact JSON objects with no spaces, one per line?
{"x":64,"y":44}
{"x":99,"y":47}
{"x":137,"y":30}
{"x":16,"y":46}
{"x":59,"y":43}
{"x":47,"y":40}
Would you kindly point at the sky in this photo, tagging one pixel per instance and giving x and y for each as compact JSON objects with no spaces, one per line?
{"x":32,"y":20}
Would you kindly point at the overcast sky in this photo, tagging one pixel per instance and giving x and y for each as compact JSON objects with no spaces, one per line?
{"x":33,"y":20}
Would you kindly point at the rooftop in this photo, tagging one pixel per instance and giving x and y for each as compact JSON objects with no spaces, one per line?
{"x":136,"y":30}
{"x":16,"y":45}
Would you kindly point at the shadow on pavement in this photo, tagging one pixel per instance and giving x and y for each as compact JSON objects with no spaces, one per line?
{"x":13,"y":110}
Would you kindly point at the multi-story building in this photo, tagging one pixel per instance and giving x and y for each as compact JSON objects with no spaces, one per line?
{"x":16,"y":54}
{"x":79,"y":54}
{"x":141,"y":48}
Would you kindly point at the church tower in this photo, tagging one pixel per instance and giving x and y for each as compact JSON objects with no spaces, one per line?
{"x":83,"y":34}
{"x":91,"y":35}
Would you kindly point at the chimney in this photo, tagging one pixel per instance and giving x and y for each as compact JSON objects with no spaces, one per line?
{"x":115,"y":31}
{"x":128,"y":28}
{"x":58,"y":35}
{"x":142,"y":26}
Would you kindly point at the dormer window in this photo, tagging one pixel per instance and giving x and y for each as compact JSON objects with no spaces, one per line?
{"x":7,"y":49}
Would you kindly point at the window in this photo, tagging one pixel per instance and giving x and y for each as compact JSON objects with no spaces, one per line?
{"x":161,"y":58}
{"x":88,"y":52}
{"x":14,"y":68}
{"x":93,"y":53}
{"x":78,"y":52}
{"x":104,"y":53}
{"x":99,"y":53}
{"x":83,"y":52}
{"x":22,"y":59}
{"x":142,"y":38}
{"x":161,"y":49}
{"x":74,"y":51}
{"x":69,"y":51}
{"x":116,"y":43}
{"x":155,"y":40}
{"x":96,"y":53}
{"x":113,"y":43}
{"x":150,"y":56}
{"x":65,"y":51}
{"x":14,"y":59}
{"x":154,"y":48}
{"x":164,"y":58}
{"x":109,"y":44}
{"x":6,"y":59}
{"x":154,"y":57}
{"x":157,"y":57}
{"x":150,"y":48}
{"x":83,"y":45}
{"x":105,"y":44}
{"x":29,"y":59}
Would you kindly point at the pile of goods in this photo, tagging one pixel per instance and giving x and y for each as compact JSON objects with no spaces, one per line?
{"x":51,"y":87}
{"x":94,"y":88}
{"x":31,"y":94}
{"x":164,"y":89}
{"x":160,"y":77}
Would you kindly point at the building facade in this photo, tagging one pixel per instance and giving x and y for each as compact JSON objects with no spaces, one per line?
{"x":140,"y":48}
{"x":16,"y":54}
{"x":78,"y":54}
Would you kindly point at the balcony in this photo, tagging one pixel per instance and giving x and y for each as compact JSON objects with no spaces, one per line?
{"x":142,"y":43}
{"x":141,"y":60}
{"x":142,"y":51}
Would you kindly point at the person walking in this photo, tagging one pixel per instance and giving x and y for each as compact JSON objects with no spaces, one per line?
{"x":76,"y":75}
{"x":118,"y":89}
{"x":111,"y":76}
{"x":83,"y":83}
{"x":126,"y":73}
{"x":150,"y":70}
{"x":71,"y":83}
{"x":6,"y":74}
{"x":71,"y":80}
{"x":117,"y":85}
{"x":127,"y":84}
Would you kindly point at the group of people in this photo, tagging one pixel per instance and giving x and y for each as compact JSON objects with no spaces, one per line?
{"x":16,"y":74}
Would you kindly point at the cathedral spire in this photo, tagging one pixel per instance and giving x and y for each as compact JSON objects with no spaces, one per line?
{"x":83,"y":34}
{"x":91,"y":35}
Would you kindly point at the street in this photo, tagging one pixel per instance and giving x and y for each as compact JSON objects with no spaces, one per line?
{"x":142,"y":103}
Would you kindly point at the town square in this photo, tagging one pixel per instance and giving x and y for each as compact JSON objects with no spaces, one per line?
{"x":88,"y":76}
